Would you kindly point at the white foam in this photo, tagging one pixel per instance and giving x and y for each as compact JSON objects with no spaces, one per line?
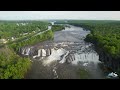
{"x":27,"y":51}
{"x":112,"y":75}
{"x":23,"y":50}
{"x":55,"y":55}
{"x":91,"y":57}
{"x":63,"y":59}
{"x":43,"y":52}
{"x":39,"y":52}
{"x":85,"y":64}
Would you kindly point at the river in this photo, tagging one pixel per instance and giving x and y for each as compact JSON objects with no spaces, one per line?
{"x":68,"y":56}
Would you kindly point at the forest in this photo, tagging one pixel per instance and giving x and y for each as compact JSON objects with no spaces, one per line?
{"x":57,"y":27}
{"x":14,"y":30}
{"x":12,"y":66}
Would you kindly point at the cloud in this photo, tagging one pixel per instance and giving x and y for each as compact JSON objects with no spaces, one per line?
{"x":105,"y":15}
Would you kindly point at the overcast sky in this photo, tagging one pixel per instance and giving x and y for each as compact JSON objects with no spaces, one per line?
{"x":37,"y":15}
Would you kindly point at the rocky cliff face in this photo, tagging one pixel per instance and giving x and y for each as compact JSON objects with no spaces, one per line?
{"x":109,"y":61}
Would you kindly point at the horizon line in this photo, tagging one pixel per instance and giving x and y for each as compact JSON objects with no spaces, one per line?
{"x":57,"y":19}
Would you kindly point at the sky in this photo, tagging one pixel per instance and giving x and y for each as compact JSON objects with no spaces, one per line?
{"x":41,"y":15}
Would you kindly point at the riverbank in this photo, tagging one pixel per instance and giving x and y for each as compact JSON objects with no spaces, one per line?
{"x":106,"y":46}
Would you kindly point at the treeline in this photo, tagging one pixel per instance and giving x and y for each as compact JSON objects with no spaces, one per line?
{"x":12,"y":66}
{"x":57,"y":27}
{"x":106,"y":37}
{"x":79,"y":22}
{"x":16,"y":28}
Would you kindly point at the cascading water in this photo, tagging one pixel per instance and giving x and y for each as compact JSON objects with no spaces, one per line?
{"x":27,"y":51}
{"x":23,"y":50}
{"x":43,"y":52}
{"x":67,"y":53}
{"x":64,"y":57}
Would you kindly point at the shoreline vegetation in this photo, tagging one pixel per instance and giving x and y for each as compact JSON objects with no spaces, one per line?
{"x":13,"y":66}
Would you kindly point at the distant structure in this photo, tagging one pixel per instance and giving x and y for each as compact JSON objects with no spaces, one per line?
{"x":3,"y":41}
{"x":12,"y":38}
{"x":53,"y":22}
{"x":66,"y":21}
{"x":23,"y":24}
{"x":49,"y":27}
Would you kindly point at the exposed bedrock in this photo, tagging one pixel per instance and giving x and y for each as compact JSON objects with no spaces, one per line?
{"x":109,"y":61}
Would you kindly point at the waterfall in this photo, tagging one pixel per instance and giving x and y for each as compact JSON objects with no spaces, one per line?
{"x":48,"y":52}
{"x":27,"y":51}
{"x":39,"y":52}
{"x":34,"y":56}
{"x":23,"y":50}
{"x":70,"y":58}
{"x":80,"y":56}
{"x":63,"y":59}
{"x":85,"y":56}
{"x":73,"y":56}
{"x":43,"y":52}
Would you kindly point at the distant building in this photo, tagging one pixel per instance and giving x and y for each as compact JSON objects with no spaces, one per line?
{"x":17,"y":24}
{"x":12,"y":38}
{"x":23,"y":24}
{"x":3,"y":41}
{"x":25,"y":33}
{"x":49,"y":27}
{"x":33,"y":31}
{"x":66,"y":21}
{"x":52,"y":23}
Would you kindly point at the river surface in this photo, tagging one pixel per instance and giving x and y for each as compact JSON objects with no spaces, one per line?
{"x":68,"y":56}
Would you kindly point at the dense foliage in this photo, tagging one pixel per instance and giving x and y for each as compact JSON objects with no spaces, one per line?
{"x":16,"y":28}
{"x":57,"y":27}
{"x":12,"y":66}
{"x":106,"y":37}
